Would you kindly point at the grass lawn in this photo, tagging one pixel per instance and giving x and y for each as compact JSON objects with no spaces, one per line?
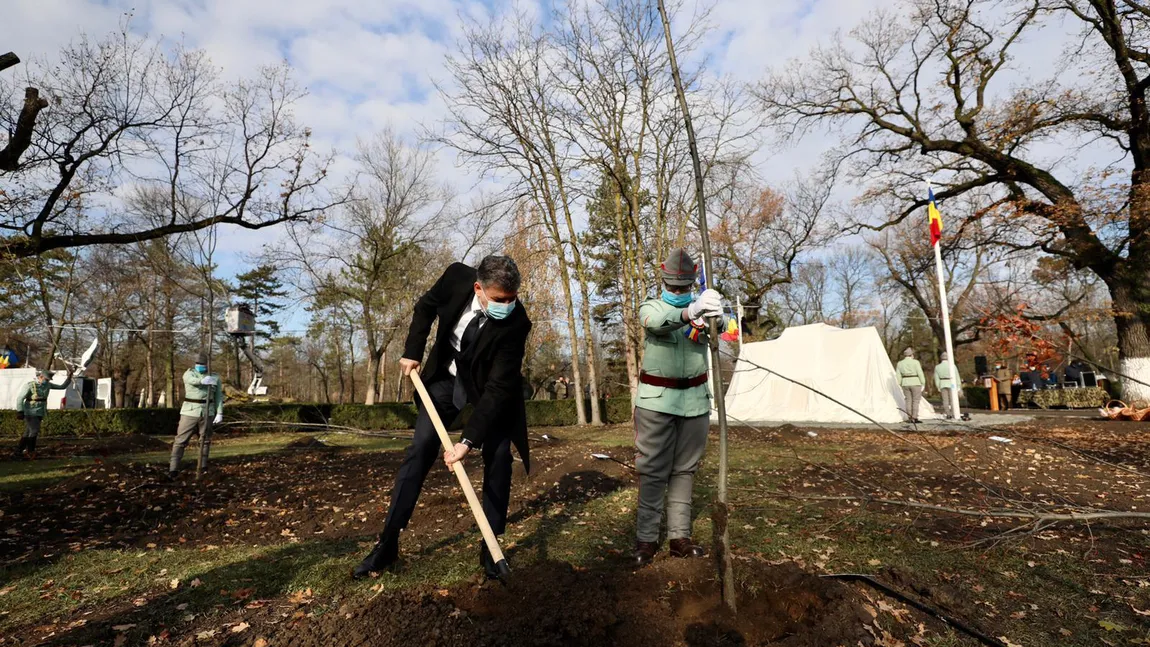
{"x":1048,"y":589}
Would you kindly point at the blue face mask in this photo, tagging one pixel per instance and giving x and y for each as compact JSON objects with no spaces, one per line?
{"x":201,"y":369}
{"x":678,"y":300}
{"x":498,"y":311}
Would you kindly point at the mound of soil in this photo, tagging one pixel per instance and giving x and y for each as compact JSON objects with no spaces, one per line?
{"x":552,"y":604}
{"x":309,"y":442}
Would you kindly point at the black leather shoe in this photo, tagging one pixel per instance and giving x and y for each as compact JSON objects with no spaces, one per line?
{"x":685,"y":548}
{"x":381,"y":558}
{"x":644,"y":553}
{"x":488,"y":563}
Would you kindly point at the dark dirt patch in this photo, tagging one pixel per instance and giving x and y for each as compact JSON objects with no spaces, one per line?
{"x":110,"y":446}
{"x":308,"y":493}
{"x":550,"y":603}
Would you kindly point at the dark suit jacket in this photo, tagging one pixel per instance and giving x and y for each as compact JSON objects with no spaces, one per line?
{"x":493,"y":383}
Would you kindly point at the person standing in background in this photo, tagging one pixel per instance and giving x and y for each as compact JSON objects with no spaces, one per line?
{"x":944,"y":382}
{"x":200,"y":390}
{"x":911,"y":379}
{"x":31,"y":407}
{"x":1005,"y":380}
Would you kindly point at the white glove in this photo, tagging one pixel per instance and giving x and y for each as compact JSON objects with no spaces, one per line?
{"x":219,"y":418}
{"x":709,"y":304}
{"x":209,"y":380}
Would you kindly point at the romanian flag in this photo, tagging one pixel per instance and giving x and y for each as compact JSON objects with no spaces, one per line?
{"x":935,"y":219}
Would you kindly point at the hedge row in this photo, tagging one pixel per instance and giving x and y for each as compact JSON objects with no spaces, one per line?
{"x":388,"y":415}
{"x":977,"y":397}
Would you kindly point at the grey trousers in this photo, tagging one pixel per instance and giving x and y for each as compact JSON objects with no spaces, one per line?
{"x":189,"y":426}
{"x":32,"y":426}
{"x":946,"y":401}
{"x":912,"y":395}
{"x":670,"y":449}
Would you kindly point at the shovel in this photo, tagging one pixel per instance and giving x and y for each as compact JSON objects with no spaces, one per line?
{"x":464,"y":482}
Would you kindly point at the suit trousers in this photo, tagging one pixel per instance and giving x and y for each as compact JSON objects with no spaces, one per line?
{"x":913,"y":396}
{"x":189,"y":426}
{"x":670,"y":449}
{"x":425,"y":449}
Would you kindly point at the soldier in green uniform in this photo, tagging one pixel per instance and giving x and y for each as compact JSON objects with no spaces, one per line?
{"x":31,"y":406}
{"x":200,"y":390}
{"x":944,"y":382}
{"x":672,"y":410}
{"x":911,"y":379}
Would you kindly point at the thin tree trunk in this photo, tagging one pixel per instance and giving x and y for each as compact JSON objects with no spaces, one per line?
{"x":568,"y":300}
{"x":585,"y":305}
{"x":721,"y":514}
{"x":374,"y":361}
{"x":170,"y":356}
{"x":628,"y":289}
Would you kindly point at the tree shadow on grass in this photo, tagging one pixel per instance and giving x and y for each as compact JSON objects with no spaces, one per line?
{"x":274,"y":575}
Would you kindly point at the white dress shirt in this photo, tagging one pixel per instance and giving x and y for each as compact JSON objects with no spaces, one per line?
{"x":461,"y":325}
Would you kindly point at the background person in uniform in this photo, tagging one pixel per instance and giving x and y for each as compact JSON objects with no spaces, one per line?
{"x":32,"y":406}
{"x":944,"y":382}
{"x":477,"y":357}
{"x":200,"y":390}
{"x":1005,"y":380}
{"x":672,"y":410}
{"x":911,"y":379}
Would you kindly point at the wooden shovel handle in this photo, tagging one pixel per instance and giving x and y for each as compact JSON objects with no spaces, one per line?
{"x":460,"y":474}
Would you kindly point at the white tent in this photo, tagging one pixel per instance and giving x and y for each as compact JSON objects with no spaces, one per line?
{"x":849,"y":365}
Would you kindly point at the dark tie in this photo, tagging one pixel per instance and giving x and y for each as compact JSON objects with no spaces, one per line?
{"x":462,"y":361}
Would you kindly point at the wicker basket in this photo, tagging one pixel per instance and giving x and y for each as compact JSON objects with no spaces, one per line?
{"x":1115,"y":413}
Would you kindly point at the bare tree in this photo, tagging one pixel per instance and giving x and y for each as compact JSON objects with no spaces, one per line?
{"x":761,"y":235}
{"x":122,"y":107}
{"x":852,"y":273}
{"x":982,"y":128}
{"x":374,"y":254}
{"x":505,"y":119}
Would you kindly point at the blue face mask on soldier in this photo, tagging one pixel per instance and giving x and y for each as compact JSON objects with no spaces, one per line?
{"x":498,"y":310}
{"x":201,"y":369}
{"x":678,"y":300}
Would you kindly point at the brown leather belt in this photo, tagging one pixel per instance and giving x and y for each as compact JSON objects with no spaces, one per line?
{"x":672,"y":382}
{"x":195,"y":401}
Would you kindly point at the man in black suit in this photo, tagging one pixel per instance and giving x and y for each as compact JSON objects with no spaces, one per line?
{"x":476,"y":358}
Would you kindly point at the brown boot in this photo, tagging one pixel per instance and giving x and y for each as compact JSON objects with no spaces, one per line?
{"x":644,"y":553}
{"x":684,"y":548}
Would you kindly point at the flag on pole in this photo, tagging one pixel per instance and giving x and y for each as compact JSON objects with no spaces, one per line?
{"x":935,"y":219}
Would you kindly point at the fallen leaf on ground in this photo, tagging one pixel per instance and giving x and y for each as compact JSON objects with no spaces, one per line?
{"x":243,"y":626}
{"x":1110,"y":626}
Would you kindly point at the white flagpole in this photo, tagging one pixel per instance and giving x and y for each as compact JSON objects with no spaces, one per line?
{"x":739,"y":321}
{"x":945,"y":311}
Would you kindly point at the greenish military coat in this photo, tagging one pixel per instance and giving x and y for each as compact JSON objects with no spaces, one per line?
{"x":668,"y":353}
{"x":195,"y":389}
{"x":910,"y":372}
{"x":942,"y":377}
{"x":33,"y":398}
